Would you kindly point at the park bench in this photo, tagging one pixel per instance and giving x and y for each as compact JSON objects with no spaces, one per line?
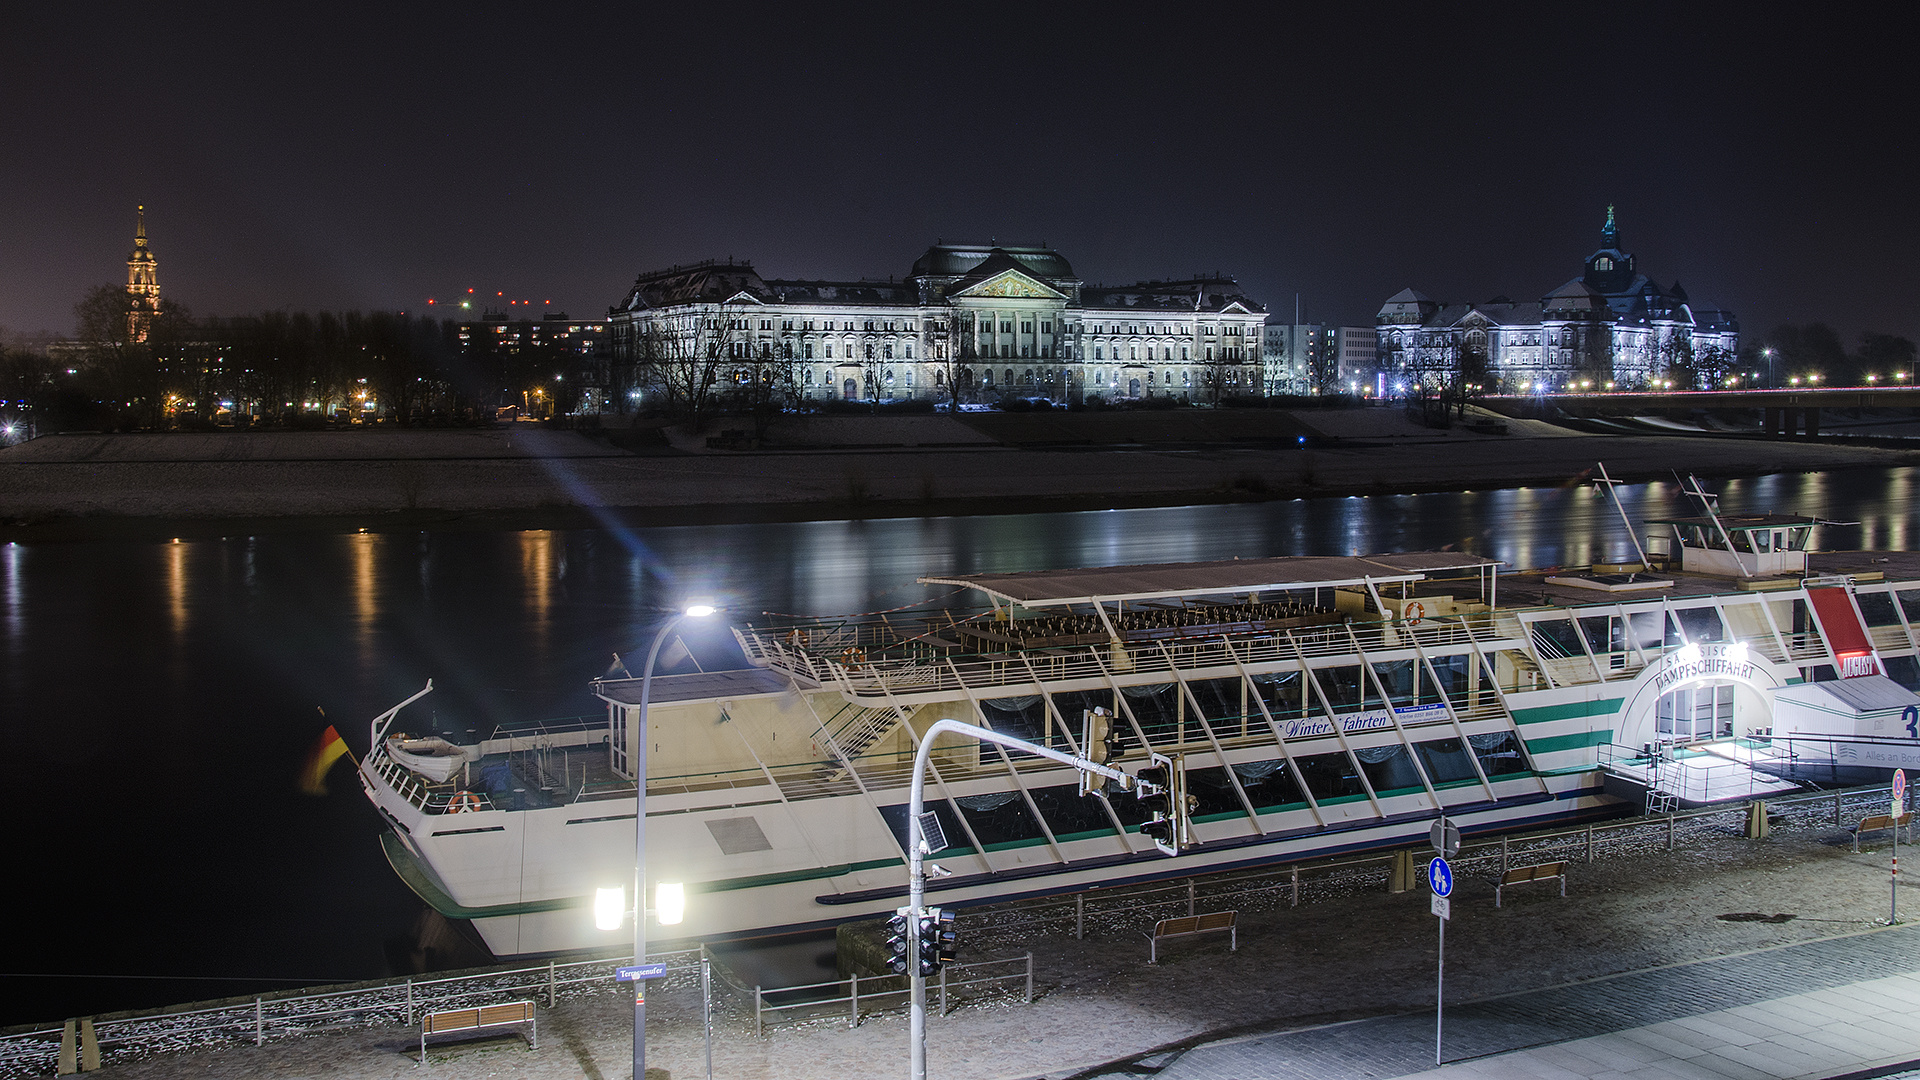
{"x":1877,"y":822}
{"x":1520,"y":875}
{"x":1190,"y":925}
{"x":486,"y":1016}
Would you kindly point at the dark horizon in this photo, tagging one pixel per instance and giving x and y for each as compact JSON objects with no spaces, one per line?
{"x":347,"y":161}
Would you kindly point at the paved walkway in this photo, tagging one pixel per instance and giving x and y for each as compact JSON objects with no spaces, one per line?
{"x":1818,"y":1009}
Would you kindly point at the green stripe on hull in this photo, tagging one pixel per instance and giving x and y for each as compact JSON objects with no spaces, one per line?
{"x":1572,"y":710}
{"x":1579,"y":740}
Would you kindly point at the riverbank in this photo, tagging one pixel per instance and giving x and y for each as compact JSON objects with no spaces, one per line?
{"x":93,"y":486}
{"x":1340,"y":986}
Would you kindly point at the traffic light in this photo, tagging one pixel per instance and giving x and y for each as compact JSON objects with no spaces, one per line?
{"x":1168,"y":827}
{"x":899,"y":936}
{"x":937,"y":940}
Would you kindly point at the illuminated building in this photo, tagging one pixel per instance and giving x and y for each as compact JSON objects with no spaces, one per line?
{"x":143,"y":282}
{"x":1611,"y":324}
{"x":998,"y":321}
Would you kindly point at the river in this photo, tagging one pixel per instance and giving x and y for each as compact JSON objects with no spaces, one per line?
{"x":159,"y":697}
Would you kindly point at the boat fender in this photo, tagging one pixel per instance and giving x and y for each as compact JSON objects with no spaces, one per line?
{"x":463,"y":802}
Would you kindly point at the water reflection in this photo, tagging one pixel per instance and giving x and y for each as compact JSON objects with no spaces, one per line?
{"x":176,"y":557}
{"x":12,"y":567}
{"x":363,"y":550}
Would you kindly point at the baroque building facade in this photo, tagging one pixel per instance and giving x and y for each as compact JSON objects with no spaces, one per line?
{"x":994,"y":321}
{"x":1610,"y":328}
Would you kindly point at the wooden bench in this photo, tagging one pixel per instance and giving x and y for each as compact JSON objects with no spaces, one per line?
{"x":1877,"y":822}
{"x":486,"y":1016}
{"x":1188,"y":926}
{"x":1520,"y":875}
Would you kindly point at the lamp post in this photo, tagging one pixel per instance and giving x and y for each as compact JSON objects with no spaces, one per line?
{"x":639,"y":764}
{"x":916,"y":864}
{"x":1768,"y":353}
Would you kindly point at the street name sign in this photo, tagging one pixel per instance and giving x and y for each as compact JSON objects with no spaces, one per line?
{"x":639,"y":971}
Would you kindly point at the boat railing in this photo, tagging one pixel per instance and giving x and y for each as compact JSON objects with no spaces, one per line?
{"x":863,"y":676}
{"x":428,"y":799}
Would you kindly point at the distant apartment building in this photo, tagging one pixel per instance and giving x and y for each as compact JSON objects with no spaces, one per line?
{"x":1298,"y":358}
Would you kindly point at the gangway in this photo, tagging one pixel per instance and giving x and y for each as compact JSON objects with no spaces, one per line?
{"x":1695,"y":774}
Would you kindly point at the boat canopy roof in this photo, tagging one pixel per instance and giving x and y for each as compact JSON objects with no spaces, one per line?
{"x":1741,"y":521}
{"x":736,"y":683}
{"x":1156,"y":581}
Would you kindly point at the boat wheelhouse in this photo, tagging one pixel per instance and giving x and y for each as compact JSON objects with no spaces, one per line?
{"x":1316,"y":704}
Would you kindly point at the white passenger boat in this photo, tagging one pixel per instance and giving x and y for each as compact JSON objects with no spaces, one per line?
{"x":1318,"y":706}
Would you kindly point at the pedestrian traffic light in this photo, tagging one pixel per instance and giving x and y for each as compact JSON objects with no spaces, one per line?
{"x":937,"y":940}
{"x":1167,"y":803}
{"x":899,"y":931}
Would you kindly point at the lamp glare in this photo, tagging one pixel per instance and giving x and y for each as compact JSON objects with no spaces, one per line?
{"x":609,"y":907}
{"x":700,"y":611}
{"x":670,"y":902}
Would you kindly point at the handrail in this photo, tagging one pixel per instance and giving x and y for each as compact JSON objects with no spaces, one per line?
{"x":127,"y":1037}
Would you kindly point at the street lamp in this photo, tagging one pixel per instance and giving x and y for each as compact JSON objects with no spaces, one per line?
{"x":675,"y":896}
{"x":1768,"y":353}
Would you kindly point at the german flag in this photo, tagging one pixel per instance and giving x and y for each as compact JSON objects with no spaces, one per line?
{"x":330,"y":748}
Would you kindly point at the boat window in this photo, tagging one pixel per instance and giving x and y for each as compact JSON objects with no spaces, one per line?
{"x":999,"y":818}
{"x":1343,"y":686}
{"x":1554,"y":639}
{"x":1743,"y":539}
{"x":1904,"y":670}
{"x":1456,"y":677}
{"x":1645,"y":629}
{"x":1701,"y":624}
{"x":1211,"y":789}
{"x":1222,"y":700}
{"x":1910,"y":604}
{"x":1285,"y":693}
{"x":1446,"y":761}
{"x":1156,"y":707}
{"x":1604,"y":634}
{"x":1499,"y":752}
{"x":1797,"y":539}
{"x":1397,"y":677}
{"x":1022,"y":717}
{"x":1389,"y":769}
{"x":1268,"y":783}
{"x":1072,"y":815}
{"x":1330,"y":776}
{"x":1877,"y":608}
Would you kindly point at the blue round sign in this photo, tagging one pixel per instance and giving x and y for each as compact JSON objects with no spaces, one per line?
{"x":1440,"y":876}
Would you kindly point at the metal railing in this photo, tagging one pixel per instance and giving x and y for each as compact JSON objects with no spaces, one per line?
{"x":135,"y":1036}
{"x":1128,"y":909}
{"x":851,"y":993}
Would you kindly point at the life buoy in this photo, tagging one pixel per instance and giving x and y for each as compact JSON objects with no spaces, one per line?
{"x":464,"y":802}
{"x":1415,"y":612}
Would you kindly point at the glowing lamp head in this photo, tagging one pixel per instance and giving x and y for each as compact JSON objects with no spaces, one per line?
{"x":669,"y":902}
{"x":609,"y":907}
{"x":699,"y":610}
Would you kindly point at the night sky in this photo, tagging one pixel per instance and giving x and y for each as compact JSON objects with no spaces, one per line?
{"x":325,"y":158}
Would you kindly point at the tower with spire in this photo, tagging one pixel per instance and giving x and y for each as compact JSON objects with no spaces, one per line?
{"x":143,"y":282}
{"x":1610,"y":270}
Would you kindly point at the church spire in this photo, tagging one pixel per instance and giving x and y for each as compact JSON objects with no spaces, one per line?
{"x":143,"y":281}
{"x":1610,"y":233}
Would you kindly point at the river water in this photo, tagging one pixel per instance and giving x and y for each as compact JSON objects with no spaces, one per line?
{"x":157,"y":699}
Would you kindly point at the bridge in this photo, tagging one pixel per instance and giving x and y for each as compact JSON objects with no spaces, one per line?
{"x":1793,"y":411}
